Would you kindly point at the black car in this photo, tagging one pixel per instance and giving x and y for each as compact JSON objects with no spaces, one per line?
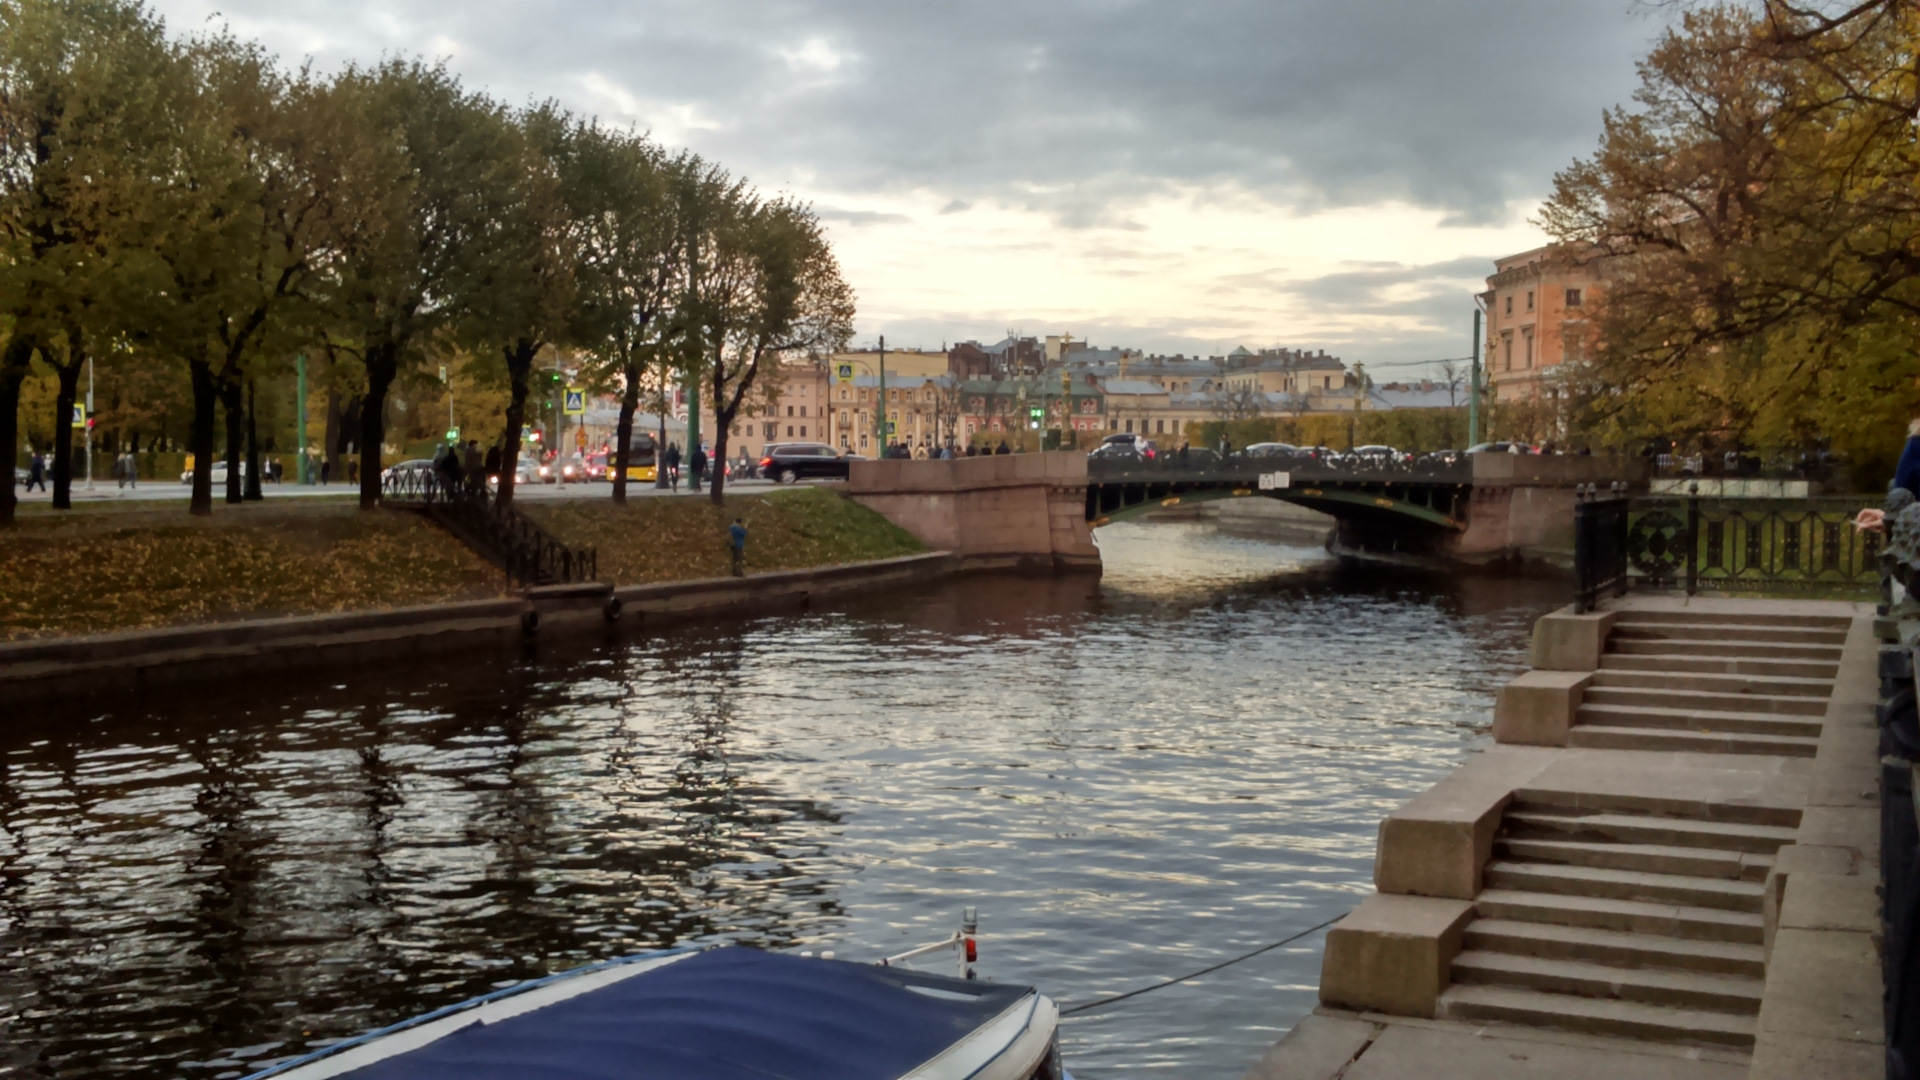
{"x":783,"y":463}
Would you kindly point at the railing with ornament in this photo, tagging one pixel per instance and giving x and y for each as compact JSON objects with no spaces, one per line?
{"x":1687,"y":542}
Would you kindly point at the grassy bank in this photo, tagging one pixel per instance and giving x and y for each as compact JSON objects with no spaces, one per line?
{"x":672,"y":539}
{"x":133,"y":566}
{"x":123,"y":567}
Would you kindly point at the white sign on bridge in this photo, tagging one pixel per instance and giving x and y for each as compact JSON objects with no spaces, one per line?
{"x":1273,"y":480}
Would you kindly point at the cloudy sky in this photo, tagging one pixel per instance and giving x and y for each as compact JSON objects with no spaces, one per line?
{"x":1180,"y":175}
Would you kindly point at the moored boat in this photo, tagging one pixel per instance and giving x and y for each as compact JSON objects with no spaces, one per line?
{"x":730,"y":1013}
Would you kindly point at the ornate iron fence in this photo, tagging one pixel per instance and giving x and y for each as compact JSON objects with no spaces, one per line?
{"x":510,"y":539}
{"x":1599,"y":544}
{"x":1731,"y":545}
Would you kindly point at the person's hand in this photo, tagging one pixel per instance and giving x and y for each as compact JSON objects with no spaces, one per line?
{"x":1872,"y":519}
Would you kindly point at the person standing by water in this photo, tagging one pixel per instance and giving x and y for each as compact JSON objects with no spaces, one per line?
{"x":737,"y":543}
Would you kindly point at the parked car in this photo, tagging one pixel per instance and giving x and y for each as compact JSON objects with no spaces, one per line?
{"x":1272,"y":450}
{"x":783,"y":463}
{"x":1502,"y":448}
{"x":1128,"y":450}
{"x":1377,"y":455}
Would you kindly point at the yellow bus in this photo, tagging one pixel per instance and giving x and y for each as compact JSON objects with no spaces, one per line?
{"x":642,"y":460}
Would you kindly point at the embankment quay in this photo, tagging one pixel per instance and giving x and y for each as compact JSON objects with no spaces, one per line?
{"x":1668,"y":865}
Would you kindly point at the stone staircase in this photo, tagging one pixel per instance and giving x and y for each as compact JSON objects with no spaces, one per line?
{"x":1621,"y":917}
{"x":1740,"y":683}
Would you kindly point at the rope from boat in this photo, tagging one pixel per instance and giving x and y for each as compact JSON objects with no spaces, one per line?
{"x":1104,"y":1002}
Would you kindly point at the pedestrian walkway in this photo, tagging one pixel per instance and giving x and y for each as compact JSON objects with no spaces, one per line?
{"x":1666,"y":868}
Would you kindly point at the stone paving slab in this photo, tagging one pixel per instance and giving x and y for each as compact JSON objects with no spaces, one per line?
{"x":1333,"y":1045}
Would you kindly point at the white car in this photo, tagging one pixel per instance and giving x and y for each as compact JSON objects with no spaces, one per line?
{"x":218,"y":471}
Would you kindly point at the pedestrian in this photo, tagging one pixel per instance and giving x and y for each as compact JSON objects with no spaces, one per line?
{"x":737,"y":542}
{"x":37,"y":472}
{"x":353,"y":471}
{"x":673,"y":465}
{"x":475,"y":467}
{"x":698,"y":465}
{"x":120,"y":470}
{"x":492,"y":464}
{"x":326,"y":470}
{"x":1226,"y":446}
{"x":1003,"y":448}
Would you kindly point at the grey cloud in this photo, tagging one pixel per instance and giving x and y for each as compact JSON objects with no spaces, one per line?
{"x":1363,"y":289}
{"x":957,"y":206}
{"x":859,"y":217}
{"x":1459,"y":105}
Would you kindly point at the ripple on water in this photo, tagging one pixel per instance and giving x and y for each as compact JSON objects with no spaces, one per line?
{"x":1131,"y":778}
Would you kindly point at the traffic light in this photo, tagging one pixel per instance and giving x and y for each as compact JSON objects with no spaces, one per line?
{"x":1034,"y":415}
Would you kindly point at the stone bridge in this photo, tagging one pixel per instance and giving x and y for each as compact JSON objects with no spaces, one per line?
{"x":1039,"y":510}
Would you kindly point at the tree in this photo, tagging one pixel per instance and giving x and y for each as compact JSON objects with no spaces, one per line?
{"x":1758,"y":219}
{"x":416,"y":246}
{"x":621,"y":193}
{"x":523,"y":289}
{"x":83,"y":86}
{"x":770,"y":290}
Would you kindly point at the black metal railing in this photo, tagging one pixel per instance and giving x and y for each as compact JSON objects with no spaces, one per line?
{"x":1599,"y":543}
{"x":503,"y":535}
{"x":1899,"y":863}
{"x":1199,"y":464}
{"x":1696,"y":544}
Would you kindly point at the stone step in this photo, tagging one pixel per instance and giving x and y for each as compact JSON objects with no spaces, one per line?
{"x":1684,"y":806}
{"x":1627,"y":916}
{"x":1720,"y":665}
{"x":1661,"y":697}
{"x":1646,"y":829}
{"x":1753,"y":723}
{"x":1640,"y":629}
{"x":1618,"y":948}
{"x":1601,"y":737}
{"x":1733,"y":618}
{"x":1644,"y":858}
{"x":1597,"y":1017}
{"x":1759,"y":650}
{"x":1708,"y":682}
{"x":1583,"y":978}
{"x":1611,"y":884}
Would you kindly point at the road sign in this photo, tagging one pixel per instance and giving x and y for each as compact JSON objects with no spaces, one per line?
{"x":843,"y":372}
{"x":1274,"y":481}
{"x":79,"y":415}
{"x":580,"y":439}
{"x":575,"y":403}
{"x":890,"y":427}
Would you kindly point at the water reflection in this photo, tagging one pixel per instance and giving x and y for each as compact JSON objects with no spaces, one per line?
{"x":1131,"y":778}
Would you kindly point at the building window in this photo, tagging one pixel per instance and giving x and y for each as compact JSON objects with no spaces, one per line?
{"x":1509,"y":305}
{"x":1129,"y":426}
{"x":1573,"y":297}
{"x":1528,"y":335}
{"x":803,"y":431}
{"x":789,"y":410}
{"x":768,"y":429}
{"x":803,"y":410}
{"x":1529,"y":299}
{"x":789,"y":431}
{"x":1159,"y":427}
{"x":1506,"y":349}
{"x":863,"y":442}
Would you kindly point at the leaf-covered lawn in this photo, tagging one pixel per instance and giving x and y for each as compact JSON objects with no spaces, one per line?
{"x":89,"y":572}
{"x":670,"y":539}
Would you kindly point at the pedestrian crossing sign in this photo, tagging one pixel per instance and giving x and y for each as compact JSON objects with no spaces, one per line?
{"x":843,"y":372}
{"x":576,"y":403}
{"x":79,"y":415}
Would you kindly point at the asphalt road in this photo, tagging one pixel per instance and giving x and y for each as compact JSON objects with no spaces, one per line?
{"x":159,"y":490}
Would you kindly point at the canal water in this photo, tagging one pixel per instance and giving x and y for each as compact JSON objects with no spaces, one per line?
{"x":1131,"y":779}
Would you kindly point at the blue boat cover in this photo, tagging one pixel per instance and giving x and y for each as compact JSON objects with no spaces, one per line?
{"x":727,"y":1014}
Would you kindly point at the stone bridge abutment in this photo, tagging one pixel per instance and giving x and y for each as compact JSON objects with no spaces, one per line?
{"x":1024,"y":511}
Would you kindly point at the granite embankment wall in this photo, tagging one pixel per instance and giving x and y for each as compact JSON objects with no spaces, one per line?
{"x":63,"y":668}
